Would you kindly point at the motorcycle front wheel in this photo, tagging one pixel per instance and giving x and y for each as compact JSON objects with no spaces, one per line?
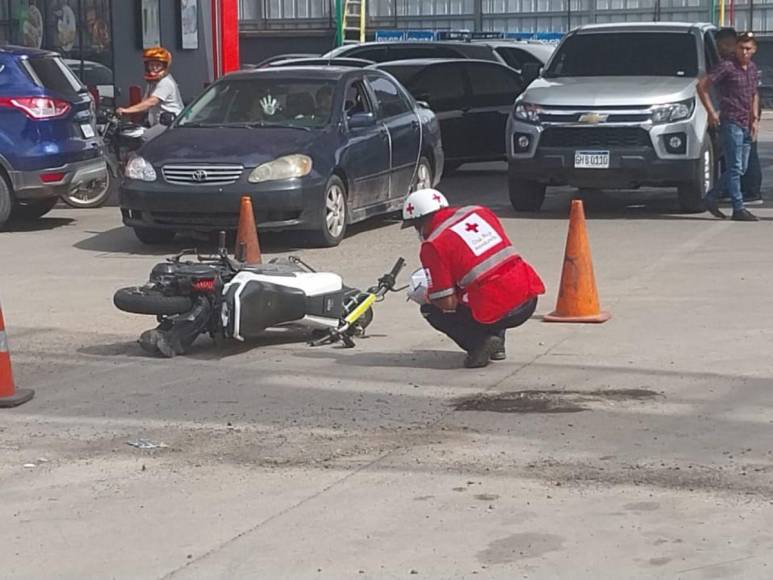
{"x":92,"y":194}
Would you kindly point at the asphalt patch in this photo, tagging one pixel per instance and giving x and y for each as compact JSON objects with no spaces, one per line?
{"x":550,"y":400}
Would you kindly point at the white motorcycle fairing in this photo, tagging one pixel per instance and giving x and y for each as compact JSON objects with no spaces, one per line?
{"x":270,"y":296}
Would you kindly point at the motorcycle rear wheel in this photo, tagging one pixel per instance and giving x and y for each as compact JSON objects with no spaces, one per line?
{"x":94,"y":194}
{"x":139,"y":300}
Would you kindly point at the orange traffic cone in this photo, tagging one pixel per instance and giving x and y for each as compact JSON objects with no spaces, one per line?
{"x":9,"y":396}
{"x":578,"y":299}
{"x":247,"y":244}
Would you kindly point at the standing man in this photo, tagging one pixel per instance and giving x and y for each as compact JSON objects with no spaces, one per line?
{"x":736,"y":81}
{"x":162,"y":93}
{"x":478,"y":285}
{"x":751,"y":182}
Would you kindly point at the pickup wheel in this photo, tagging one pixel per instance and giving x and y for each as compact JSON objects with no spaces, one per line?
{"x":691,"y":194}
{"x":526,"y":195}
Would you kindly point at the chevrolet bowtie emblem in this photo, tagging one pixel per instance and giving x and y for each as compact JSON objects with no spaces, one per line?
{"x":593,"y":118}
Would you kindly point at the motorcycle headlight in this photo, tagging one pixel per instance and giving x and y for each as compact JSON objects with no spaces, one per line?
{"x":283,"y":168}
{"x":673,"y":112}
{"x":138,"y":168}
{"x":527,"y":112}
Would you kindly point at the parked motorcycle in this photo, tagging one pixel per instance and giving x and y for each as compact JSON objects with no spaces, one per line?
{"x":120,"y":139}
{"x":225,"y":298}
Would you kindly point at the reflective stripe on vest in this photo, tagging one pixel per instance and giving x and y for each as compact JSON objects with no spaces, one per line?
{"x":3,"y":341}
{"x":448,"y":222}
{"x":487,"y":265}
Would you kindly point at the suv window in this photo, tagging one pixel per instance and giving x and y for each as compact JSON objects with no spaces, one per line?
{"x":422,"y":51}
{"x":391,"y":101}
{"x":374,"y":53}
{"x":710,"y":49}
{"x":515,"y":57}
{"x":442,"y":86}
{"x":52,"y":73}
{"x":493,"y":85}
{"x":663,"y":54}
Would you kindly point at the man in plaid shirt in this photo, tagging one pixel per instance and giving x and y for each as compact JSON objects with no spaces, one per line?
{"x":736,"y":81}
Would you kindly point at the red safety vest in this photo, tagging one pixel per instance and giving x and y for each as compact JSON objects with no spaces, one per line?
{"x":468,"y":253}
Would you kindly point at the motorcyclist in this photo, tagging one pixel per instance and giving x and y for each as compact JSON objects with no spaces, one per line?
{"x":477,"y":284}
{"x":162,"y":93}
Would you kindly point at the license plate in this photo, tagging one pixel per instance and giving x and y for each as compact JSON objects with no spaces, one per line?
{"x":88,"y":131}
{"x":591,"y":159}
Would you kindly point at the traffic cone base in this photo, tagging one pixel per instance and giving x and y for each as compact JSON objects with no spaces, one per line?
{"x":578,"y":299}
{"x":19,"y":397}
{"x":556,"y":317}
{"x":247,"y":234}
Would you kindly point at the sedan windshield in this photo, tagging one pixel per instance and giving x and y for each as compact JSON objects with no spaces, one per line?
{"x":262,"y":103}
{"x":630,"y":54}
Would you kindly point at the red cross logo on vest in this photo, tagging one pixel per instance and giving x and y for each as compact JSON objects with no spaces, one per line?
{"x":409,"y":208}
{"x":471,"y":227}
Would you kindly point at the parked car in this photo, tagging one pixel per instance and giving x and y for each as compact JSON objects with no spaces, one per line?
{"x":517,"y":53}
{"x":97,"y":77}
{"x":48,"y":141}
{"x":472,"y":100}
{"x":391,"y":51}
{"x":316,"y":148}
{"x":321,"y":61}
{"x":616,"y":108}
{"x":267,"y":61}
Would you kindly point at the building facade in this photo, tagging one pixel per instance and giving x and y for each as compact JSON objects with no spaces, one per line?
{"x":103,"y":40}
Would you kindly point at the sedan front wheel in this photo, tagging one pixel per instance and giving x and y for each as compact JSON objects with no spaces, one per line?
{"x":334,"y":215}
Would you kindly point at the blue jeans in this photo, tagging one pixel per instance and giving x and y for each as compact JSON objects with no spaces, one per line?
{"x":736,"y":144}
{"x":751,"y":183}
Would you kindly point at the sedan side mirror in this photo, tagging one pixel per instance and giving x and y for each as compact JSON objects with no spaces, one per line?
{"x":362,"y":121}
{"x":166,"y":118}
{"x":423,"y":104}
{"x":531,"y":71}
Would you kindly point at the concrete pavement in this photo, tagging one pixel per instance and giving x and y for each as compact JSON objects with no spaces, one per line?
{"x":640,"y":448}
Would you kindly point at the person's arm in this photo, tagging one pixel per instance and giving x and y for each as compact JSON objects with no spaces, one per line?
{"x":704,"y":86}
{"x":755,"y":120}
{"x":442,"y":289}
{"x":141,"y":107}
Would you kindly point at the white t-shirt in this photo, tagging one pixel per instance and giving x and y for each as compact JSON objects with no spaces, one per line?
{"x":168,"y":93}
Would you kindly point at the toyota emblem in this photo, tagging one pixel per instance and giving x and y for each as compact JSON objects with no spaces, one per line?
{"x":199,"y":175}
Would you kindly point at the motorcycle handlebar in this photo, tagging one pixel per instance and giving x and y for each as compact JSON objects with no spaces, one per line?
{"x":399,"y":264}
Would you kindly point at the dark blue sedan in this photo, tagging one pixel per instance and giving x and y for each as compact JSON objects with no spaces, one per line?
{"x":316,"y":148}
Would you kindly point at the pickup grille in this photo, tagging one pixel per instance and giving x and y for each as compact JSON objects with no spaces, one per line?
{"x":595,"y":137}
{"x":202,"y":174}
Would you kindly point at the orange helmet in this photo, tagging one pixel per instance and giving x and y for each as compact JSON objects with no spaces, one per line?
{"x":156,"y":54}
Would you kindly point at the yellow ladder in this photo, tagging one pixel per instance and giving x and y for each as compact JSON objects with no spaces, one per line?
{"x":354,"y":21}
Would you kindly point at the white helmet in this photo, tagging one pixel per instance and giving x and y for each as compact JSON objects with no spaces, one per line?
{"x":420,"y":203}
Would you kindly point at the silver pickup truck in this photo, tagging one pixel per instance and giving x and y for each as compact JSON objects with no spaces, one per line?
{"x":616,"y":107}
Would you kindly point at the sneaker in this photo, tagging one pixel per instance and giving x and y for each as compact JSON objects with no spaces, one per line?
{"x":713,"y":208}
{"x":744,"y":215}
{"x":480,"y":356}
{"x":499,"y":354}
{"x":753,"y":200}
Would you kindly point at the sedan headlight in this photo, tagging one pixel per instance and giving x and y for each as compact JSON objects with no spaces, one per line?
{"x":673,"y":112}
{"x":283,"y":168}
{"x":138,"y":168}
{"x":527,"y":112}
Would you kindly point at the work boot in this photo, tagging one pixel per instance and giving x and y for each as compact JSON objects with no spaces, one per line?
{"x":481,"y":355}
{"x":499,"y":354}
{"x":713,"y":208}
{"x":744,"y":215}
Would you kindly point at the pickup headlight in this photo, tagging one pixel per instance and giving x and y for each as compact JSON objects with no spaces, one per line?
{"x":138,"y":168}
{"x":283,"y":168}
{"x":673,"y":112}
{"x":527,"y":112}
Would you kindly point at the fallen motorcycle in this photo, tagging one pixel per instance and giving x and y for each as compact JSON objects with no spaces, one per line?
{"x":225,"y":298}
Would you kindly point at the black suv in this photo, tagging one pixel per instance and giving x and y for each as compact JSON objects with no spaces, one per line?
{"x":390,"y":51}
